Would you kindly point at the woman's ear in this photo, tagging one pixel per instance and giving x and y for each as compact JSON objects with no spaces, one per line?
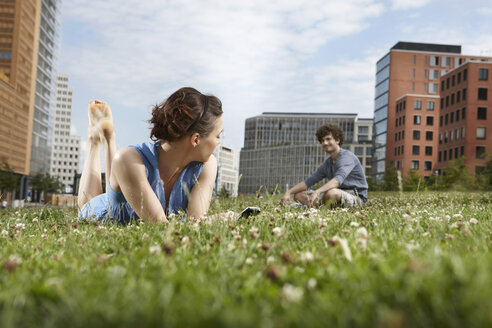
{"x":195,"y":139}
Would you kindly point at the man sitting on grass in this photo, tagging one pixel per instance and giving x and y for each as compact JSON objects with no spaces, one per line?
{"x":346,"y":184}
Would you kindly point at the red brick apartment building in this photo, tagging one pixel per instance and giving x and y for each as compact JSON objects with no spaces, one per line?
{"x":409,"y":77}
{"x":465,"y":122}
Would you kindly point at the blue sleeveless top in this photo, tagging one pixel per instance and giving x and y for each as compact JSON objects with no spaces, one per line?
{"x":113,"y":207}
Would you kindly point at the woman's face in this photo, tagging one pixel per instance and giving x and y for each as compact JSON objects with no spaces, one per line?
{"x":208,"y":143}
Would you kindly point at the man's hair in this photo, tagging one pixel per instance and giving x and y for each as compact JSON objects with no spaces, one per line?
{"x":332,"y":129}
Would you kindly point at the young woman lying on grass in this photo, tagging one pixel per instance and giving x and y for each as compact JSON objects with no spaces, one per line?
{"x":151,"y":180}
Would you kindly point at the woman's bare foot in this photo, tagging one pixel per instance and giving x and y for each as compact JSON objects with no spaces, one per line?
{"x":100,"y":121}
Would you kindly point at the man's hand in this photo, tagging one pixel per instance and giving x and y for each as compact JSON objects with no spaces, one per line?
{"x":285,"y":198}
{"x":313,"y":198}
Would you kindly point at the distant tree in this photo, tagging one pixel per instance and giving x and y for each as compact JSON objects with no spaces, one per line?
{"x":456,"y":176}
{"x":484,"y":178}
{"x":413,"y":181}
{"x":390,"y":178}
{"x":44,"y":182}
{"x":9,"y":181}
{"x":374,"y":185}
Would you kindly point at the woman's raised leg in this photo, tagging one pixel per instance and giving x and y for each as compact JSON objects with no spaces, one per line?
{"x":100,"y":131}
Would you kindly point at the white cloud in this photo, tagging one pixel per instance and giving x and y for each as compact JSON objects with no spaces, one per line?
{"x":408,"y":4}
{"x":250,"y":54}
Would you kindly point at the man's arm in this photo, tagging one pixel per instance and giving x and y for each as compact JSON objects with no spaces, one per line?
{"x":333,"y":183}
{"x":301,"y":186}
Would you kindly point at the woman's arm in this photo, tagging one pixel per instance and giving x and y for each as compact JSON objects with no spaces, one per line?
{"x":129,"y":175}
{"x":201,"y":193}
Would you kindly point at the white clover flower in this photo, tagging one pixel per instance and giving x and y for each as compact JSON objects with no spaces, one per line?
{"x":20,"y":226}
{"x":270,"y":260}
{"x":362,"y":233}
{"x":454,"y":225}
{"x":425,"y":234}
{"x":185,"y":239}
{"x":231,"y":246}
{"x":5,"y":233}
{"x":253,"y":232}
{"x":473,"y":221}
{"x":76,"y":231}
{"x":278,"y":231}
{"x":312,"y":283}
{"x":35,"y":220}
{"x":155,"y":249}
{"x":457,"y":216}
{"x":354,"y":224}
{"x":306,"y":257}
{"x":43,"y":236}
{"x":249,"y":260}
{"x":291,"y":293}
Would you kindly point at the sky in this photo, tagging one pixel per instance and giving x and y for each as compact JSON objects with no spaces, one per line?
{"x":256,"y":56}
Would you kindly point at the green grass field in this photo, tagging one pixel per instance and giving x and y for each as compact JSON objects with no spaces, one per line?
{"x":409,"y":260}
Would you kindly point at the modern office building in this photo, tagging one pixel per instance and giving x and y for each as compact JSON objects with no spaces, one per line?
{"x":413,"y":70}
{"x":65,"y":151}
{"x":465,"y":122}
{"x":45,"y":85}
{"x":281,"y":149}
{"x":227,"y":169}
{"x":19,"y":39}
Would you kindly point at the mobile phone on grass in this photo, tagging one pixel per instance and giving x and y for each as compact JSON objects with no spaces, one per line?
{"x":249,"y":211}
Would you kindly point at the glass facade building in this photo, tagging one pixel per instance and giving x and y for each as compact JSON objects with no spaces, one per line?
{"x":45,"y":86}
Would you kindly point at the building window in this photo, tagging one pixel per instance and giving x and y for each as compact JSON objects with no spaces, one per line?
{"x":464,"y":94}
{"x":457,"y":115}
{"x":439,"y":156}
{"x":416,"y":135}
{"x":446,"y":61}
{"x":416,"y":119}
{"x":458,"y":96}
{"x":445,"y":155}
{"x":463,"y":132}
{"x":427,"y":165}
{"x":459,"y":78}
{"x":430,"y":105}
{"x":482,"y":93}
{"x":453,"y":80}
{"x":451,"y":117}
{"x":465,"y":74}
{"x":447,"y":83}
{"x":481,"y":113}
{"x":483,"y":74}
{"x":430,"y":120}
{"x":428,"y":150}
{"x":434,"y":61}
{"x":359,"y":151}
{"x":479,"y":151}
{"x":480,"y":132}
{"x":442,"y":103}
{"x":442,"y":85}
{"x":415,"y":165}
{"x":440,"y":120}
{"x":415,"y":150}
{"x":429,"y":135}
{"x":432,"y":87}
{"x":463,"y":113}
{"x":462,"y":150}
{"x":363,"y":129}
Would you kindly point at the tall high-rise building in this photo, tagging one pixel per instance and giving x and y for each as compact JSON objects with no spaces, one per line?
{"x":281,"y":149}
{"x":45,"y":85}
{"x":19,"y":39}
{"x":227,"y":169}
{"x":409,"y":75}
{"x":65,"y":151}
